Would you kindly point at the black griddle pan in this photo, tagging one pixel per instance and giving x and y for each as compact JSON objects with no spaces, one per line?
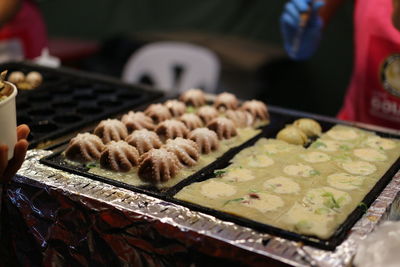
{"x":341,"y":232}
{"x":279,"y":118}
{"x":69,"y":99}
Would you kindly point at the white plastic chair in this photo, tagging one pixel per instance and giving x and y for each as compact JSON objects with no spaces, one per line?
{"x":200,"y":66}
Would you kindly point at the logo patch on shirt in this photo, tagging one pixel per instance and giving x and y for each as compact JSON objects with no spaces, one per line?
{"x":390,"y":74}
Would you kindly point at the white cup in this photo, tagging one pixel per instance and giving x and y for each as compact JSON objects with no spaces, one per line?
{"x":8,"y":121}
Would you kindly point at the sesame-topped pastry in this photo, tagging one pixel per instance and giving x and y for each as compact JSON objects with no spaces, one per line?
{"x":111,"y":130}
{"x":205,"y":139}
{"x":137,"y":120}
{"x":144,"y":140}
{"x":241,"y":118}
{"x":34,"y":78}
{"x":207,"y":113}
{"x":175,"y":107}
{"x":192,"y":121}
{"x":186,"y":150}
{"x":193,"y":97}
{"x":257,"y":108}
{"x":226,"y":101}
{"x":171,"y":129}
{"x":16,"y":77}
{"x":119,"y":156}
{"x":84,"y":147}
{"x":158,"y":165}
{"x":158,"y":113}
{"x":224,"y":127}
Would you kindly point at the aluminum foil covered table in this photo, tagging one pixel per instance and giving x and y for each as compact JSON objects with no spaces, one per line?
{"x":73,"y":220}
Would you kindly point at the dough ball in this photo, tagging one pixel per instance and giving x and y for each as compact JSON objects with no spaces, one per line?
{"x":309,"y":126}
{"x":34,"y":78}
{"x":292,"y":135}
{"x":16,"y":77}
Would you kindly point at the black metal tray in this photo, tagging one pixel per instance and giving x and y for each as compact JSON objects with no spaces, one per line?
{"x":326,"y":244}
{"x":69,"y":99}
{"x":279,"y":118}
{"x":57,"y":160}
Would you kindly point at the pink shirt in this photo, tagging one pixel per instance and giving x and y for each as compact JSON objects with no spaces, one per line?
{"x":374,"y":93}
{"x":27,"y":27}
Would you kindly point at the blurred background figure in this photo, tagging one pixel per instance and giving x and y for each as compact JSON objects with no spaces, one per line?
{"x":374,"y":92}
{"x":22,"y":30}
{"x":243,"y":34}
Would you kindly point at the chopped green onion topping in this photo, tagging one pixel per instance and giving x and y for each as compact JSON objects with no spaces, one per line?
{"x":314,"y":172}
{"x":331,"y":202}
{"x":190,"y":109}
{"x":303,"y":225}
{"x":344,"y":147}
{"x":319,"y":144}
{"x":91,"y":165}
{"x":233,"y":200}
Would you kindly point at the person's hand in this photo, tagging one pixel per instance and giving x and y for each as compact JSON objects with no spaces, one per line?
{"x":301,"y":44}
{"x":8,"y":168}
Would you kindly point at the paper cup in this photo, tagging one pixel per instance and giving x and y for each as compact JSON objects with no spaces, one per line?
{"x":8,"y":122}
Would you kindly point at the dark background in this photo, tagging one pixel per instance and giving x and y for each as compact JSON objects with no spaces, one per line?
{"x":245,"y":34}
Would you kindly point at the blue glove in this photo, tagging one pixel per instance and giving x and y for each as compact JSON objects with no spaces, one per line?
{"x":301,"y":43}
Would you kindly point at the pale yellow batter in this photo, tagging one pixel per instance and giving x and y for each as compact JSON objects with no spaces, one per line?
{"x":308,"y":191}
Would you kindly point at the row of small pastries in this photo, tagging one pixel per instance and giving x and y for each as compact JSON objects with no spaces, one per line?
{"x":112,"y":130}
{"x":29,"y":81}
{"x":156,"y":161}
{"x":226,"y":101}
{"x":154,"y":140}
{"x":170,"y":122}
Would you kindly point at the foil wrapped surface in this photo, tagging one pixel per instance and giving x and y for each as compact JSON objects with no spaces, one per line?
{"x":75,"y":220}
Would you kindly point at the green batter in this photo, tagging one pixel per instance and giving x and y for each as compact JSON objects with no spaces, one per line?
{"x":308,"y":191}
